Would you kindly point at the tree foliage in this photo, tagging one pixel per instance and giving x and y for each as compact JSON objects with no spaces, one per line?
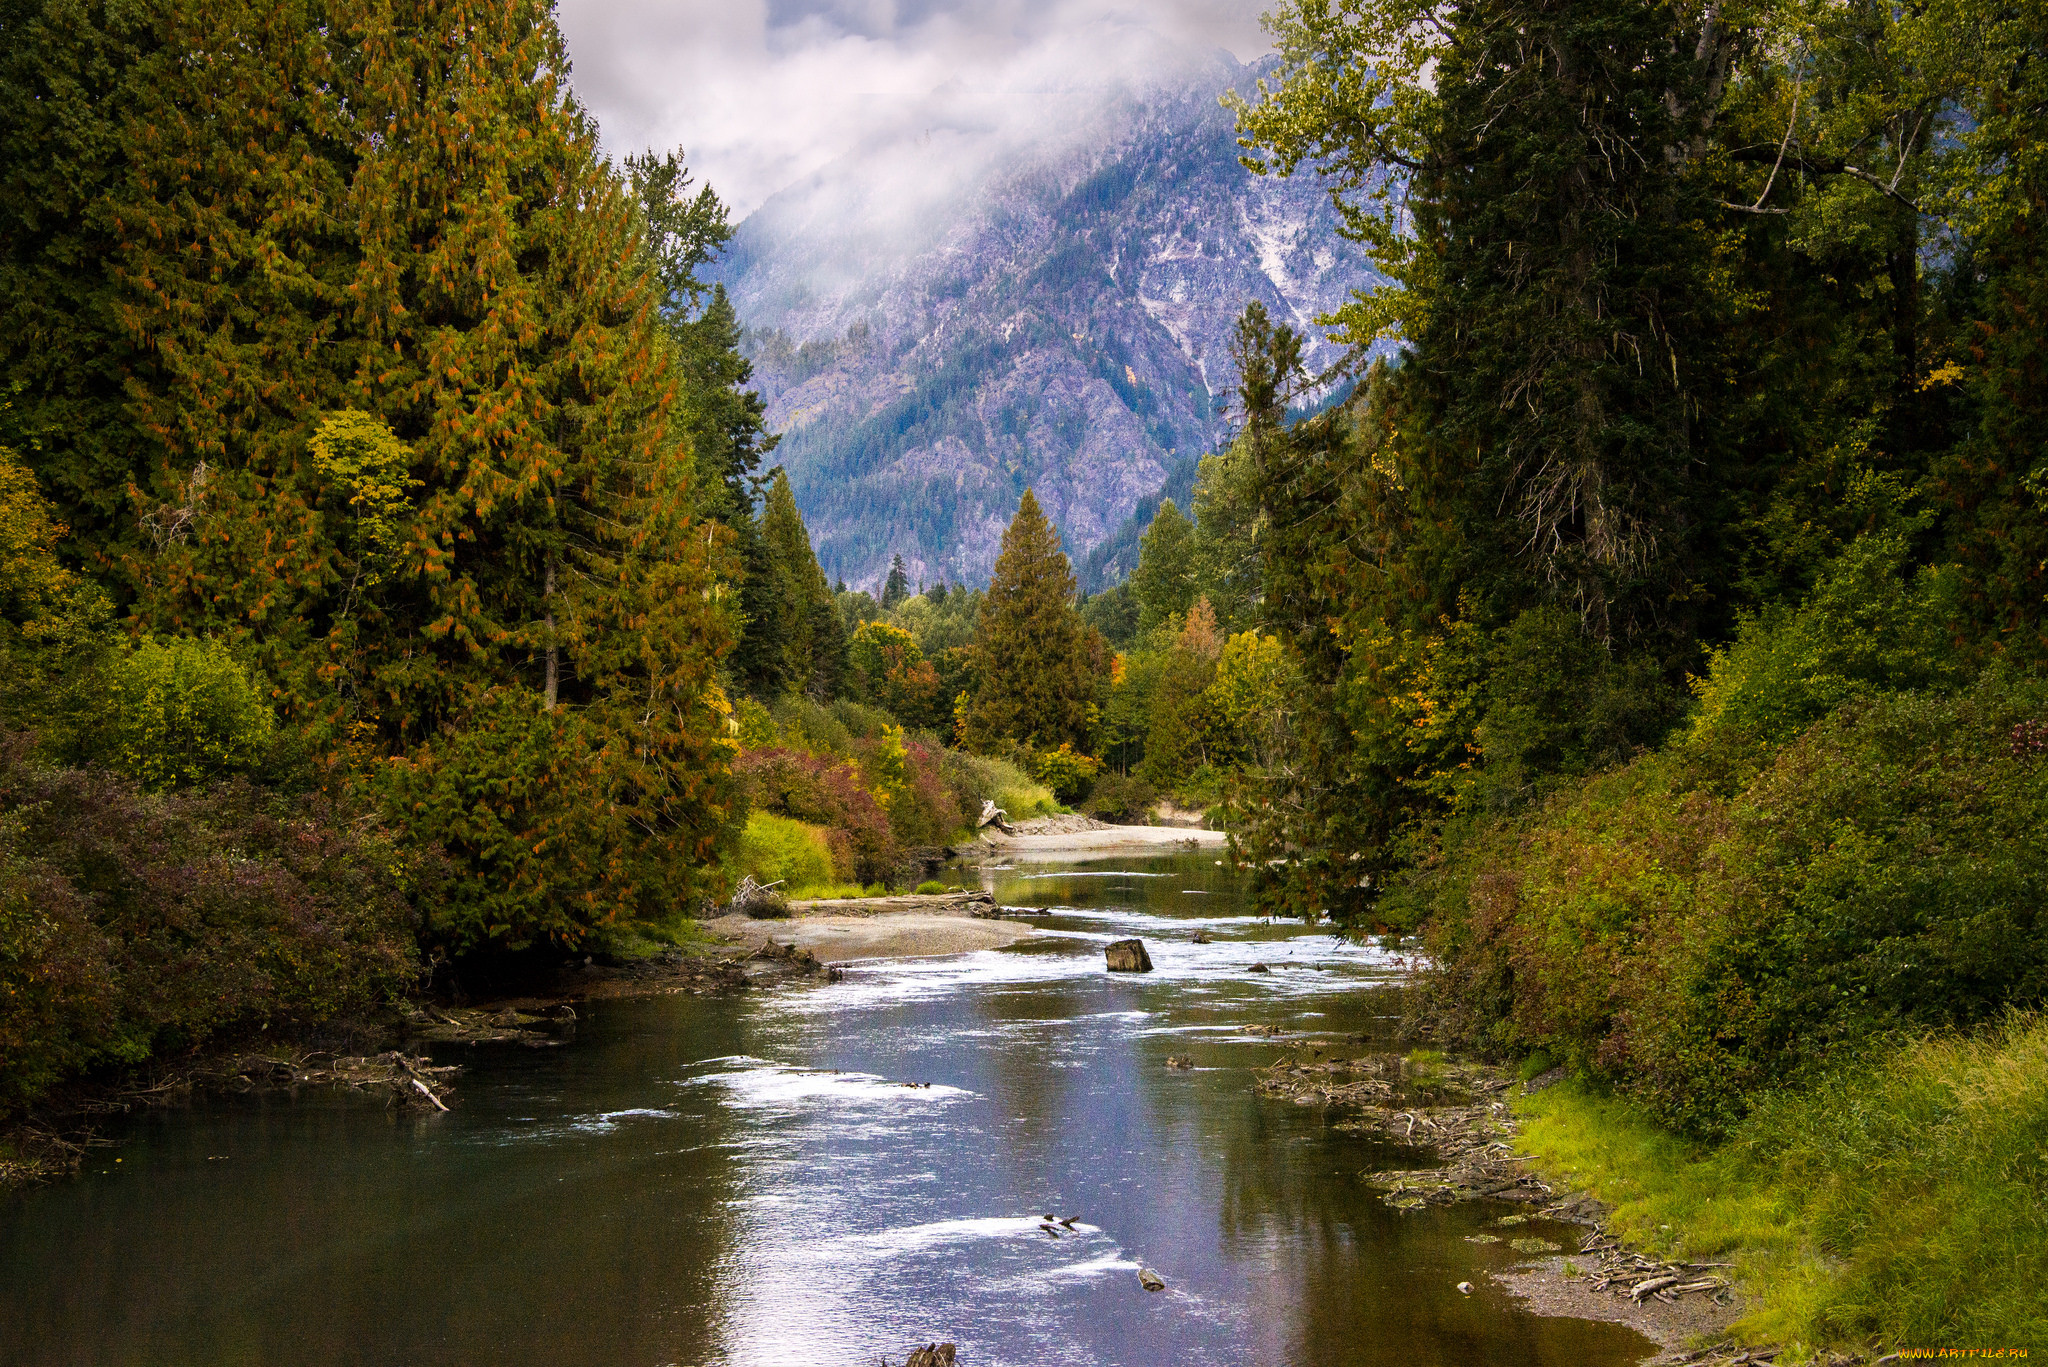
{"x":342,"y":345}
{"x":1036,"y":661}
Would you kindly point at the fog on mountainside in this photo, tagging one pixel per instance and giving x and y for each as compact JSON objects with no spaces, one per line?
{"x":940,"y":323}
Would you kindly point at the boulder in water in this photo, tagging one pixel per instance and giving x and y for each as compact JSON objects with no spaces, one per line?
{"x":931,"y":1355}
{"x":1201,"y":937}
{"x":1151,"y":1280}
{"x":1127,"y":956}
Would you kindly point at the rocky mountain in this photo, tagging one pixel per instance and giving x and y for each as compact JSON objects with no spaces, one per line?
{"x":942,"y":323}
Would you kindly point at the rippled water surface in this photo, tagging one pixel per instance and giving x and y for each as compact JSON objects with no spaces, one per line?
{"x":813,"y":1175}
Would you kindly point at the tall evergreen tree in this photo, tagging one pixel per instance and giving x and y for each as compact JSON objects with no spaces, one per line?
{"x":724,"y":419}
{"x":897,"y":587}
{"x":760,"y":664}
{"x":814,"y":643}
{"x":1036,"y":660}
{"x":1165,"y":582}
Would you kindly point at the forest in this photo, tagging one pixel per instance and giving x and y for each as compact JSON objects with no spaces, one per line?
{"x":1645,"y":621}
{"x":394,"y":589}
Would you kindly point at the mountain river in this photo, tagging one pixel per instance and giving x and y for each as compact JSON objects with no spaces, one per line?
{"x":750,"y":1181}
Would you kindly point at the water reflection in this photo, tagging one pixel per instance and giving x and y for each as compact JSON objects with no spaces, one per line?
{"x":812,"y":1176}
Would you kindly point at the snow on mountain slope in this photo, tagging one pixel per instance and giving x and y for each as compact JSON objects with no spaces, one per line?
{"x":942,"y":322}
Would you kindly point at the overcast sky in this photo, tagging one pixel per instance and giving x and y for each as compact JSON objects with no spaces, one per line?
{"x":763,"y":92}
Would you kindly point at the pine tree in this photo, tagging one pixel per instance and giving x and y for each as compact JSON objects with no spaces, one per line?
{"x":1036,"y":660}
{"x":760,"y":663}
{"x":1164,"y":582}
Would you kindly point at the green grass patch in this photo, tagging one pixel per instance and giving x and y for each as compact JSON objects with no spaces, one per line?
{"x":838,"y":892}
{"x":930,"y":886}
{"x":1901,"y":1201}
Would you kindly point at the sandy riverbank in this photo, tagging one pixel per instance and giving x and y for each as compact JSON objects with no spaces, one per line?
{"x":1047,"y":839}
{"x":837,"y":938}
{"x":913,"y":927}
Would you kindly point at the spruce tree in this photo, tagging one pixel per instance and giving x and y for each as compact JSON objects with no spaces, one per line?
{"x":1036,"y":660}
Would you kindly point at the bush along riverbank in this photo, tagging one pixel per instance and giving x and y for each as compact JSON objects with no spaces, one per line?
{"x":233,"y":937}
{"x":1792,"y":966}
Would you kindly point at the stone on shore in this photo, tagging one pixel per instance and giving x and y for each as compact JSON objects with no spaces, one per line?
{"x":1127,"y":956}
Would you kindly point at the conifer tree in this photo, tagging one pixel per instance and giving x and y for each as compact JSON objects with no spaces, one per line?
{"x":1036,"y":660}
{"x":1164,"y":582}
{"x":897,"y":586}
{"x":814,"y":643}
{"x":1178,"y":737}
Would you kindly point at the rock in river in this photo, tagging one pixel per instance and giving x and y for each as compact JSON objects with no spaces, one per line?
{"x":1151,"y":1280}
{"x":1128,"y":956}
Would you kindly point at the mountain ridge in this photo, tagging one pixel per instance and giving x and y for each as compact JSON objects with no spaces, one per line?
{"x":1054,"y":317}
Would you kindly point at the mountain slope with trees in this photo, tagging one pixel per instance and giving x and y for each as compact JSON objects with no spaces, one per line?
{"x":1060,"y":323}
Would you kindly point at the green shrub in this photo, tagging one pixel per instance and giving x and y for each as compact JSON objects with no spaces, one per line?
{"x":1122,"y":799}
{"x":1884,"y":871}
{"x":777,"y":849}
{"x":974,"y":778}
{"x":757,"y":729}
{"x":1865,"y":629}
{"x":861,"y":721}
{"x":180,"y":711}
{"x":812,"y":728}
{"x":1067,"y":772}
{"x":133,"y":923}
{"x":929,"y":887}
{"x":559,"y":826}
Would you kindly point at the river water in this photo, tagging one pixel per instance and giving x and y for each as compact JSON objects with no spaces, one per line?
{"x":815,"y":1175}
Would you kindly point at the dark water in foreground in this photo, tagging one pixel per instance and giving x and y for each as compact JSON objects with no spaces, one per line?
{"x":749,"y":1182}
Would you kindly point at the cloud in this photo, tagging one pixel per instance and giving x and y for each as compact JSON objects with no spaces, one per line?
{"x":762,"y":93}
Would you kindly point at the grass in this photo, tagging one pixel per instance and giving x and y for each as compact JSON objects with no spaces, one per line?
{"x":838,"y":892}
{"x":1901,"y":1203}
{"x":930,"y":886}
{"x":638,"y":940}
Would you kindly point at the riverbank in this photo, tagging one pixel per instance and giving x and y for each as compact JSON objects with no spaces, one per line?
{"x":1074,"y":837}
{"x":1466,"y":1117}
{"x":904,"y":926}
{"x":382,"y":1053}
{"x":1889,"y":1208}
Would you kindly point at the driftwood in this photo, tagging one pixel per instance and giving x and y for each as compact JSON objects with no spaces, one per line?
{"x":758,"y":900}
{"x":992,"y":815}
{"x":1628,"y":1273}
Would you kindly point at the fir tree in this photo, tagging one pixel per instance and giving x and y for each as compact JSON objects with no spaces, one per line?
{"x":897,"y":587}
{"x":1164,"y":582}
{"x":760,"y":662}
{"x":725,"y":420}
{"x":1036,"y":660}
{"x":813,"y":641}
